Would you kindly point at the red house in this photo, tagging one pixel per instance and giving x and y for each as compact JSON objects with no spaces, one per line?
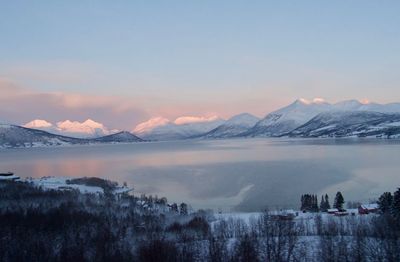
{"x":368,"y":208}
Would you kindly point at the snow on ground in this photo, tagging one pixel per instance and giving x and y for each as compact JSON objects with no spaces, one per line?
{"x":298,"y":215}
{"x":60,"y":183}
{"x":246,"y":217}
{"x":13,"y":177}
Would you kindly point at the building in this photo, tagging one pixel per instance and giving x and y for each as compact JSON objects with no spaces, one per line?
{"x":284,"y":214}
{"x":332,"y":210}
{"x":341,"y":213}
{"x":8,"y":176}
{"x":368,"y":208}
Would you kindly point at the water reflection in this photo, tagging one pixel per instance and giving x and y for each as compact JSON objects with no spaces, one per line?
{"x":237,"y":174}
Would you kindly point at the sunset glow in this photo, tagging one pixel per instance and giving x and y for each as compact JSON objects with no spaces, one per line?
{"x":170,"y":63}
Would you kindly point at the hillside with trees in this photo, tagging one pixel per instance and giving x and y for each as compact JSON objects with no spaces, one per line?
{"x":56,"y":225}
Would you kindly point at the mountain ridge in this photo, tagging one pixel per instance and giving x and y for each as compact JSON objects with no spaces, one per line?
{"x":86,"y":129}
{"x":301,"y":118}
{"x":13,"y":136}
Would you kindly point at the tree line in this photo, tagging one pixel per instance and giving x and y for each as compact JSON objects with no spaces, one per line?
{"x":37,"y":225}
{"x":309,"y":203}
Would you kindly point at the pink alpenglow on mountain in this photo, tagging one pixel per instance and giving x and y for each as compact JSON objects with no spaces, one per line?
{"x":184,"y":127}
{"x":86,"y":129}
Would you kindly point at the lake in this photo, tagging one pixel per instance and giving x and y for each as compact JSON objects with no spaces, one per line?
{"x":231,"y":175}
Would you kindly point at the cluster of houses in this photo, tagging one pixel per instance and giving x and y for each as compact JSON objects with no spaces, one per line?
{"x":362,"y":209}
{"x":368,"y":208}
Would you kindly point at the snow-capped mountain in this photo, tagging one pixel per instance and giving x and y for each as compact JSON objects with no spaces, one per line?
{"x":354,"y":105}
{"x":12,"y":136}
{"x":288,"y":118}
{"x":39,"y":124}
{"x":351,"y":123}
{"x":149,"y":125}
{"x":302,"y":118}
{"x":86,"y":129}
{"x":182,"y":128}
{"x":301,"y":111}
{"x":233,"y":127}
{"x":16,"y":136}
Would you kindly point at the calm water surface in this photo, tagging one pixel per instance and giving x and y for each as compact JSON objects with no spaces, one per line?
{"x":244,"y":175}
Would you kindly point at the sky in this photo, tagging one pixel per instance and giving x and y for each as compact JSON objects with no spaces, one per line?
{"x":123,"y":62}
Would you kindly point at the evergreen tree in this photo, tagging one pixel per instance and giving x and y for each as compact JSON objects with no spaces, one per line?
{"x":174,"y":207}
{"x":315,"y":203}
{"x":339,"y":201}
{"x":322,"y":205}
{"x":309,"y":203}
{"x":302,"y":203}
{"x":385,"y":202}
{"x":327,"y":205}
{"x":183,"y":209}
{"x":396,"y":205}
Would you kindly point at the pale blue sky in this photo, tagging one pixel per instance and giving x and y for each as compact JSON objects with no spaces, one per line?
{"x":203,"y":57}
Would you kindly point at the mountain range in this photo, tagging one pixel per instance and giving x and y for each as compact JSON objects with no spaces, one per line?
{"x":298,"y":119}
{"x":302,"y":118}
{"x":234,"y":126}
{"x":181,"y":128}
{"x":351,"y":123}
{"x":86,"y":129}
{"x":302,"y":115}
{"x":12,"y":136}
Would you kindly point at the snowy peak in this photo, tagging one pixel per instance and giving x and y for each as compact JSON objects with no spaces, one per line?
{"x":305,"y":102}
{"x":150,"y":125}
{"x":233,"y":127}
{"x":195,"y":119}
{"x":288,"y":118}
{"x":86,"y":129}
{"x":244,"y":119}
{"x":184,"y":127}
{"x":12,"y":136}
{"x":301,"y":111}
{"x":348,"y":105}
{"x":38,"y":123}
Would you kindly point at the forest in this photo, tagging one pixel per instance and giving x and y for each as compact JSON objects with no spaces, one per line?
{"x":55,"y":225}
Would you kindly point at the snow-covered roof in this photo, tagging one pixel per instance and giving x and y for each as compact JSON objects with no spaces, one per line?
{"x":13,"y":177}
{"x":369,"y":206}
{"x":333,"y":210}
{"x":288,"y":212}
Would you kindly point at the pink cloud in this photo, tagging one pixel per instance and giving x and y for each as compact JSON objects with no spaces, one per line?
{"x":20,"y":105}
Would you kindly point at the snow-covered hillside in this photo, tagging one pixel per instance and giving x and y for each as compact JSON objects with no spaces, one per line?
{"x":86,"y":129}
{"x":12,"y":136}
{"x":351,"y":123}
{"x":233,"y":127}
{"x":16,"y":136}
{"x":289,"y":118}
{"x":83,"y":185}
{"x":182,"y":128}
